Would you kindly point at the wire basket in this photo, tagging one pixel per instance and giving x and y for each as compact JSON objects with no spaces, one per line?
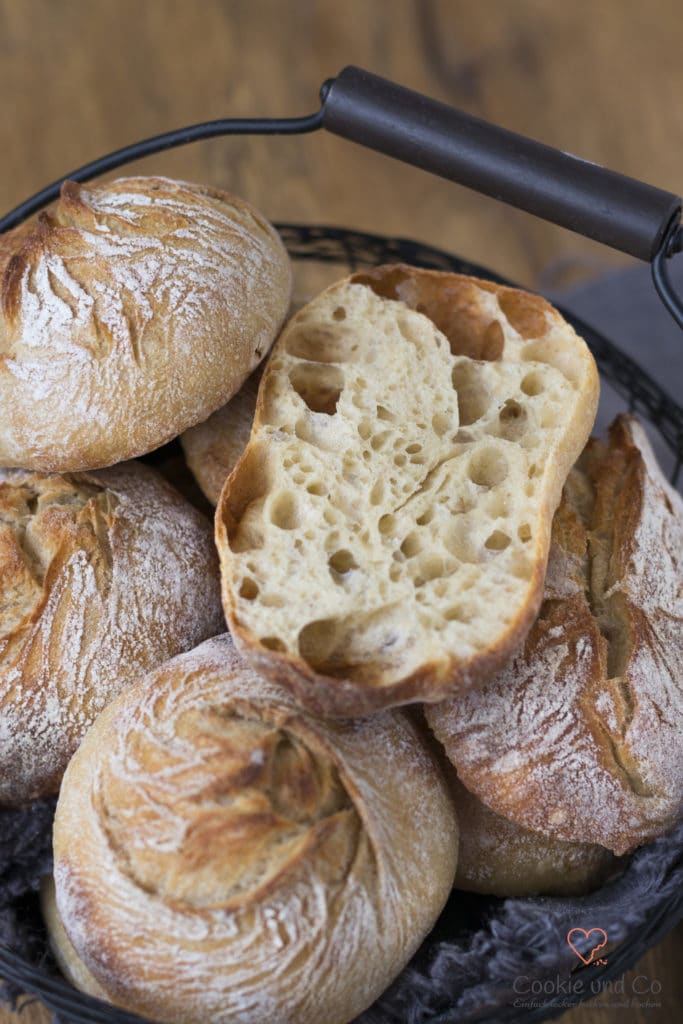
{"x":636,"y":908}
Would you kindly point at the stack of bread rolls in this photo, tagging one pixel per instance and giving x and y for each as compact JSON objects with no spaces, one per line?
{"x":408,"y":511}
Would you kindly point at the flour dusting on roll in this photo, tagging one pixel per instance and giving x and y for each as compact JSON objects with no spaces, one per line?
{"x":102,"y":576}
{"x":219,"y":853}
{"x":129,"y":312}
{"x":580,"y":737}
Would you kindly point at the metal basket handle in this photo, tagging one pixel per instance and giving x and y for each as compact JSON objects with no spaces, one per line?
{"x":616,"y":210}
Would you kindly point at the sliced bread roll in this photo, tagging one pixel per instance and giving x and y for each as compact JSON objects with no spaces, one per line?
{"x":580,"y":737}
{"x":384,"y":537}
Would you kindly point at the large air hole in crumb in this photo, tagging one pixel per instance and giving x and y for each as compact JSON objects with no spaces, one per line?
{"x":488,"y":467}
{"x":441,"y":423}
{"x":526,"y":313}
{"x":524,"y":533}
{"x":387,"y":524}
{"x":342,"y":562}
{"x":317,"y":641}
{"x":400,"y":460}
{"x":425,"y":518}
{"x":242,"y":513}
{"x":283,"y":511}
{"x":364,"y":429}
{"x":319,"y":345}
{"x":557,"y":354}
{"x":513,"y":420}
{"x":317,"y":488}
{"x":412,"y":449}
{"x":318,"y":385}
{"x":377,"y":493}
{"x":412,"y":545}
{"x":273,"y":643}
{"x":384,"y":414}
{"x":379,"y":440}
{"x":533,"y":384}
{"x":473,"y":394}
{"x":458,"y":613}
{"x":249,"y":590}
{"x":339,"y":313}
{"x":497,"y":541}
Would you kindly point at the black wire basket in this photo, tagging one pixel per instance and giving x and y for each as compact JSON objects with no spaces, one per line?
{"x":487,"y":959}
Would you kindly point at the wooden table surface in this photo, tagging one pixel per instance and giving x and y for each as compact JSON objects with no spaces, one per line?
{"x":600,"y":78}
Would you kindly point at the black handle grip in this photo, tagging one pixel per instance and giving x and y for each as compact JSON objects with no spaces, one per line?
{"x":621,"y":212}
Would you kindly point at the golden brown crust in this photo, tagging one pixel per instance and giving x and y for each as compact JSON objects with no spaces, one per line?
{"x":579,"y":738}
{"x":213,"y":448}
{"x":129,"y":312}
{"x":454,"y":305}
{"x":102,"y":574}
{"x":498,"y":858}
{"x":247,"y":848}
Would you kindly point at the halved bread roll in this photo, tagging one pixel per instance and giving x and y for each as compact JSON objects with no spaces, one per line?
{"x":221,"y":856}
{"x":384,"y":537}
{"x":580,"y":737}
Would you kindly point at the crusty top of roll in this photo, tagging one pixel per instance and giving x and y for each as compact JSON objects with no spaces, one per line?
{"x":129,"y":312}
{"x":581,"y":735}
{"x":102,"y":575}
{"x":218,"y":853}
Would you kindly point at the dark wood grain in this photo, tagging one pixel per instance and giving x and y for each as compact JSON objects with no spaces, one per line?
{"x":603,"y":79}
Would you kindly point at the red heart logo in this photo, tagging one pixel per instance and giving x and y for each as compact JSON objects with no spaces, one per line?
{"x":582,"y":931}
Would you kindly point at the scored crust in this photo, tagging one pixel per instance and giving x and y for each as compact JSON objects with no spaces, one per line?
{"x":102,"y":575}
{"x":384,"y":537}
{"x":129,"y":312}
{"x":580,"y":737}
{"x":218,"y":853}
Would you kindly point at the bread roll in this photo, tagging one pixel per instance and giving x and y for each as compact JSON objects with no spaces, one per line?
{"x":384,"y":537}
{"x":221,"y":856}
{"x":213,"y":448}
{"x":102,"y":576}
{"x":580,"y":737}
{"x":497,"y":858}
{"x":128,"y":313}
